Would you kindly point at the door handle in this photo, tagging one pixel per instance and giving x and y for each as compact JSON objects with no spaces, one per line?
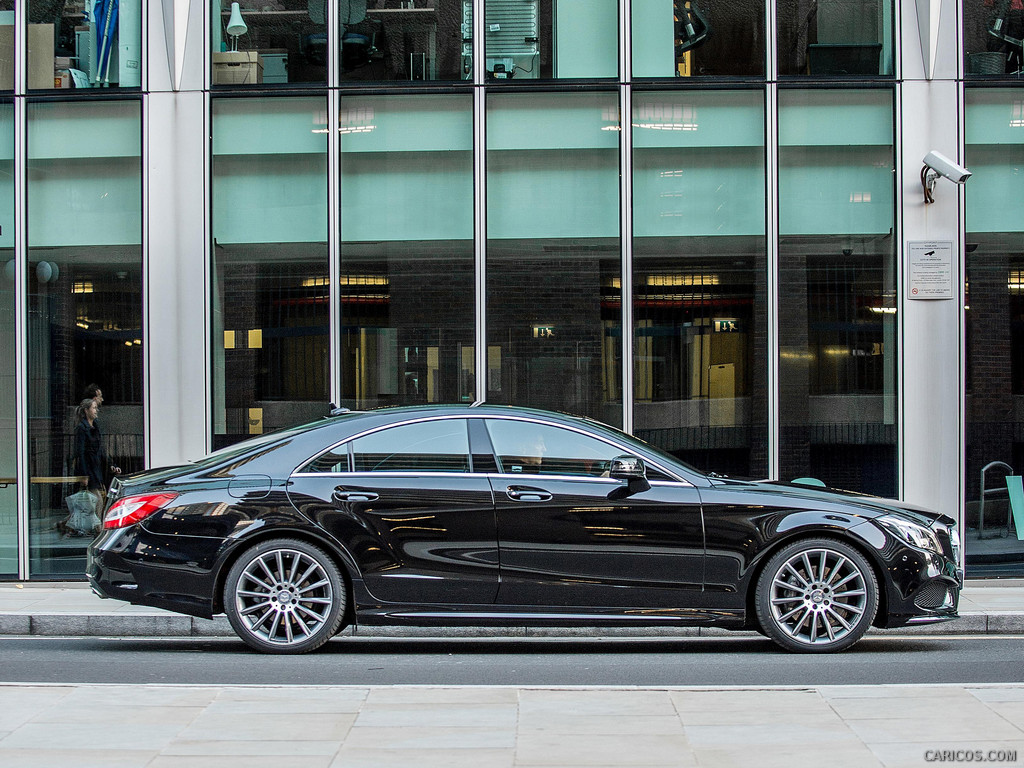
{"x":525,"y":493}
{"x":344,"y":494}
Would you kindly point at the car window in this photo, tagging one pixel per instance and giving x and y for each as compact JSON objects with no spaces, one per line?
{"x":541,"y":449}
{"x":441,"y":445}
{"x":333,"y":461}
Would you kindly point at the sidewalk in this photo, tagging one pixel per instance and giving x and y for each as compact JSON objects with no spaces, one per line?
{"x":71,"y":609}
{"x":166,"y":726}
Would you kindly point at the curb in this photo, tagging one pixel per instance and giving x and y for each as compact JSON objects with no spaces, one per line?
{"x":175,"y":625}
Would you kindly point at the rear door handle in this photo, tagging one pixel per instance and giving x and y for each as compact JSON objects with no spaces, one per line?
{"x":344,"y":494}
{"x":526,"y":493}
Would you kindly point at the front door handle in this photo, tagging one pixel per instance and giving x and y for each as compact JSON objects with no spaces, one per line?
{"x":344,"y":494}
{"x":526,"y":493}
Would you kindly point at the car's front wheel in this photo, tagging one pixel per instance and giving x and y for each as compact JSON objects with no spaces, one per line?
{"x":816,"y":595}
{"x":285,"y":596}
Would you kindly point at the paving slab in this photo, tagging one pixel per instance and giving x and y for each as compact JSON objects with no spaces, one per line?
{"x":505,"y":726}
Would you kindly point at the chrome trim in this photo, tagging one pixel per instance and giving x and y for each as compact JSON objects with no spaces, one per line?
{"x":467,"y":416}
{"x":930,"y":619}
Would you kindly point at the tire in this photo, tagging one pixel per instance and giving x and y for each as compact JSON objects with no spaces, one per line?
{"x":285,"y":596}
{"x":816,"y":596}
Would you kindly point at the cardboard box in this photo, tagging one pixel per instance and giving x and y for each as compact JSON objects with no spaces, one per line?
{"x":40,"y":56}
{"x":237,"y":68}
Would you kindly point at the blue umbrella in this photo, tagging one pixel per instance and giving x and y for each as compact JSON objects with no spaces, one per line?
{"x":105,"y":13}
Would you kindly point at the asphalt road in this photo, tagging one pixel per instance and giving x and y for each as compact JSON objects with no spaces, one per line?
{"x":650,"y":662}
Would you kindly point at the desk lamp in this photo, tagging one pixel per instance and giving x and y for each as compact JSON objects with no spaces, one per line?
{"x":236,"y":26}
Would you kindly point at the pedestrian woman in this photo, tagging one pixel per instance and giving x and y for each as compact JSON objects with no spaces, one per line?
{"x":90,"y":455}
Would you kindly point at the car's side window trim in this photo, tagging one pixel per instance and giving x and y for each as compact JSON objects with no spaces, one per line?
{"x":349,"y":441}
{"x":569,"y":427}
{"x":469,"y":419}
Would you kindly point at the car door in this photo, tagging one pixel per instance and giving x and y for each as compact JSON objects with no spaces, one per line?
{"x":404,"y":501}
{"x":570,"y":536}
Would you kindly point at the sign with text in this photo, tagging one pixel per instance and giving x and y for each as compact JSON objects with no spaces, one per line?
{"x":930,"y":269}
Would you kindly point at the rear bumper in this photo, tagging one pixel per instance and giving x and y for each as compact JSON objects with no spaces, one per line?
{"x":144,"y":568}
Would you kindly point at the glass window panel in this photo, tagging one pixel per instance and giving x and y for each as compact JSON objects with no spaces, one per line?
{"x":553,"y":265}
{"x":538,"y":449}
{"x":835,"y":38}
{"x":271,"y":362}
{"x":409,"y":40}
{"x":545,"y":39}
{"x":84,"y":283}
{"x":693,"y":38}
{"x":259,"y":44}
{"x":699,"y":266}
{"x":993,"y":33}
{"x":429,"y":446}
{"x":995,"y":331}
{"x":6,"y":45}
{"x":8,"y":412}
{"x":84,"y":44}
{"x":407,"y":265}
{"x":333,"y":461}
{"x":837,"y":277}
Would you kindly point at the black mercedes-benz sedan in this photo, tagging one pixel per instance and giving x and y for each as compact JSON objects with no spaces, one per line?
{"x":499,"y":516}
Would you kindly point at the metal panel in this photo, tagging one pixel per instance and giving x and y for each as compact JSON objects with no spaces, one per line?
{"x":931,"y":456}
{"x":177,"y":288}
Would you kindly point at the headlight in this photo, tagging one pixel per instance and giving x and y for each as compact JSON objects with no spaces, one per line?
{"x":912,"y":533}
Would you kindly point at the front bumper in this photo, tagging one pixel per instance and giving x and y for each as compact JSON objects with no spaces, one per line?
{"x":924,"y":588}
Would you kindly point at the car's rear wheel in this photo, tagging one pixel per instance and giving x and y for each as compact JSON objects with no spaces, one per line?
{"x":285,"y":596}
{"x":816,"y":595}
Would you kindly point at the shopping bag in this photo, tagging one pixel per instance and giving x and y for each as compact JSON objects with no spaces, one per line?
{"x":83,"y":519}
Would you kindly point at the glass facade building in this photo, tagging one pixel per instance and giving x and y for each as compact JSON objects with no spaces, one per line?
{"x":702,"y":223}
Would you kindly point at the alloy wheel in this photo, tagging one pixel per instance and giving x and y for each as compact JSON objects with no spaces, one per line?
{"x":285,"y":598}
{"x":817,"y":597}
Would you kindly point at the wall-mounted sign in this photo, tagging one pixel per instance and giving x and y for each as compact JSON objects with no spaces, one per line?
{"x":727,"y":325}
{"x":930,"y":269}
{"x":543,"y":331}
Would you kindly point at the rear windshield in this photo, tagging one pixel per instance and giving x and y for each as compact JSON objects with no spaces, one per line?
{"x":247,"y":446}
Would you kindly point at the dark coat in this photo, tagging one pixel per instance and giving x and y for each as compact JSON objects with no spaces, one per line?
{"x":90,"y":456}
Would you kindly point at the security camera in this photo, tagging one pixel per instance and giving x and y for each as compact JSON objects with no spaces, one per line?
{"x":937,"y":164}
{"x":943,"y":166}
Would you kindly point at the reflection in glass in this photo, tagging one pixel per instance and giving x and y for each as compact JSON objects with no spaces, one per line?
{"x":415,"y":41}
{"x":837,"y":277}
{"x":407,"y":267}
{"x":257,"y":44}
{"x":554,"y":292}
{"x":544,"y":39}
{"x":271,"y":362}
{"x":83,"y":44}
{"x":84,"y":283}
{"x":835,"y":38}
{"x":8,"y":413}
{"x":6,"y":47}
{"x":690,"y":38}
{"x":993,"y":37}
{"x":995,"y":333}
{"x":698,"y":278}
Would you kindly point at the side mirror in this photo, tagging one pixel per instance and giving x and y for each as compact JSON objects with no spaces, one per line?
{"x":627,"y":468}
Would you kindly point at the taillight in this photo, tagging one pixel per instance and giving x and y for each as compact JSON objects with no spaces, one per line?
{"x":130,"y":509}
